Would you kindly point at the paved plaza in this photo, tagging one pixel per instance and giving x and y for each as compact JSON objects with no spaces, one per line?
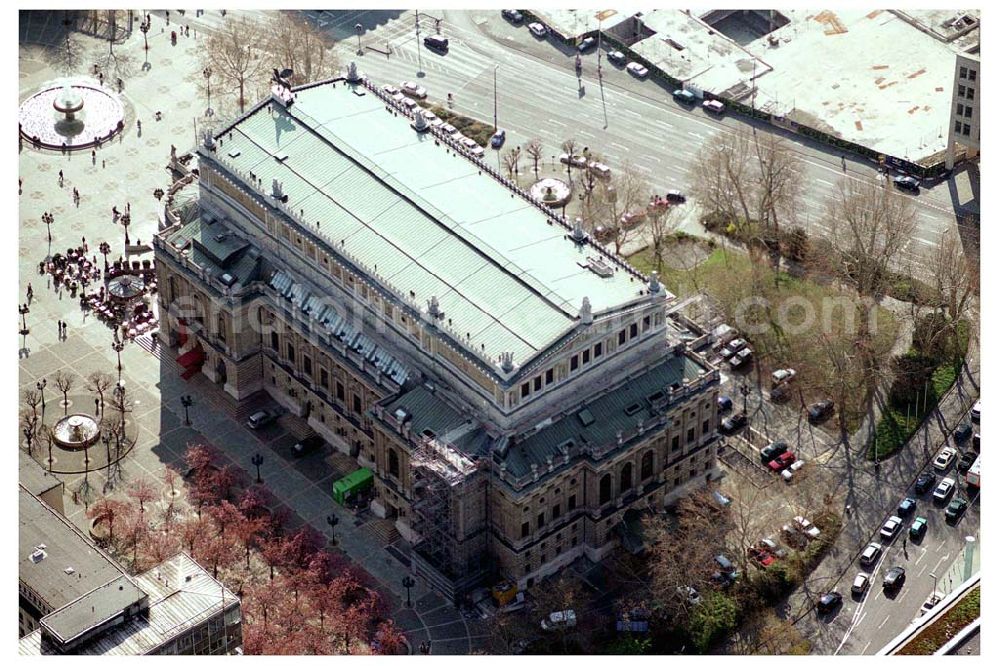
{"x":128,"y":170}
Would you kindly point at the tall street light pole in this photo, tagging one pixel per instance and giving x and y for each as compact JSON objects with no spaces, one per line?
{"x":207,"y":73}
{"x":360,"y":29}
{"x":495,"y":125}
{"x":40,"y":385}
{"x":257,"y":460}
{"x":416,"y":22}
{"x":118,"y":345}
{"x":332,"y":521}
{"x":186,"y":401}
{"x":408,"y":583}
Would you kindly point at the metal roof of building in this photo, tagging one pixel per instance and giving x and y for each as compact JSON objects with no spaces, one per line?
{"x":181,"y":595}
{"x":423,"y":219}
{"x":595,"y":423}
{"x":69,"y":566}
{"x":105,"y":603}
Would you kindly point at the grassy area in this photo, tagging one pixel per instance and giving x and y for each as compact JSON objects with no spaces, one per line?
{"x":798,"y":310}
{"x":901,"y":420}
{"x":946,"y":627}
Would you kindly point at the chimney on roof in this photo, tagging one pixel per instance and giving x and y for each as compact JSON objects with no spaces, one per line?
{"x":534,"y":471}
{"x":352,"y":73}
{"x":548,"y":460}
{"x":620,"y":438}
{"x":586,"y":313}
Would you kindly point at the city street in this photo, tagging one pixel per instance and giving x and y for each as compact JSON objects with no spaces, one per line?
{"x":539,"y":95}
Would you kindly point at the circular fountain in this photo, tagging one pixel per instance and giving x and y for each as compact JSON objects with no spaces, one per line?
{"x":76,"y":431}
{"x":552,"y":192}
{"x":70,"y":115}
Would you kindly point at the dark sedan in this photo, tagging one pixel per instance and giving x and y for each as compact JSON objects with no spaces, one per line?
{"x":731,"y":424}
{"x":925,"y":482}
{"x":307,"y":445}
{"x":894,"y":578}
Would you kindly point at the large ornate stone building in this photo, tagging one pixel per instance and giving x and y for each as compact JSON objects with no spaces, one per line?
{"x":519,"y":393}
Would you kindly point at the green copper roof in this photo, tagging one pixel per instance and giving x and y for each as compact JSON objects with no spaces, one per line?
{"x":423,"y":219}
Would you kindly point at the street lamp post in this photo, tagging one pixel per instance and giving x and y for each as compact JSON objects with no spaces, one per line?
{"x":934,"y":576}
{"x":495,"y":125}
{"x":105,"y":249}
{"x":257,"y":460}
{"x":186,"y":401}
{"x":40,"y":385}
{"x":358,"y":28}
{"x":744,"y":391}
{"x":332,"y":521}
{"x":420,"y":64}
{"x":23,"y":310}
{"x":408,"y":583}
{"x":126,"y":220}
{"x":144,"y":28}
{"x":207,"y":73}
{"x":118,"y":345}
{"x":48,"y":219}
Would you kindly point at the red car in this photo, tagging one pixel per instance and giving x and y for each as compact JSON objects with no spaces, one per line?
{"x":782,"y":461}
{"x":760,"y":557}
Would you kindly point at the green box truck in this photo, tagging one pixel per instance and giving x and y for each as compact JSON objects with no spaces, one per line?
{"x":352,"y":484}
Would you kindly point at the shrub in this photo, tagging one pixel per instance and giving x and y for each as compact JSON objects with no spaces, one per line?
{"x":713,"y":619}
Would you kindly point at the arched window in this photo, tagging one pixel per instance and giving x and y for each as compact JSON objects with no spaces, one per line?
{"x":221,"y":326}
{"x":605,"y":490}
{"x":646,"y":469}
{"x":626,"y":478}
{"x":393,"y":463}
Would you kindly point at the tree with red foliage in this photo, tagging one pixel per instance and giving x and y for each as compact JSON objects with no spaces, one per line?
{"x":109,"y":512}
{"x":248,"y":532}
{"x":134,"y":529}
{"x":225,"y":480}
{"x":170,"y":479}
{"x":158,"y":546}
{"x":389,"y":639}
{"x":226,"y":515}
{"x":193,"y":531}
{"x":142,"y":491}
{"x":301,"y":545}
{"x":200,"y":458}
{"x":273,"y":552}
{"x":218,"y":550}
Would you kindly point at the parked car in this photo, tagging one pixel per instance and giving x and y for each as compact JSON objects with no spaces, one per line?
{"x":616,"y":58}
{"x":307,"y":445}
{"x":944,"y":489}
{"x":976,"y":411}
{"x":945,"y":458}
{"x":955,"y":509}
{"x":261,"y":418}
{"x":600,"y":169}
{"x":498,"y":138}
{"x":684,"y":96}
{"x":431,"y":119}
{"x":962,"y":433}
{"x":807,"y":527}
{"x":919,"y":528}
{"x":411,"y":89}
{"x":721,"y":499}
{"x":713,"y":105}
{"x":782,"y":461}
{"x":690,"y":594}
{"x":782,"y":375}
{"x":772,"y":451}
{"x":908,"y":183}
{"x":965,"y":462}
{"x":410,"y":104}
{"x":860,"y":584}
{"x":676,"y":196}
{"x":771,"y":546}
{"x":793,"y":537}
{"x":731,"y":424}
{"x":930,"y":602}
{"x":637,"y":70}
{"x":736,"y":345}
{"x":890,"y":527}
{"x":829,"y":601}
{"x":906,"y":506}
{"x":870,"y":554}
{"x":725,"y":403}
{"x":780,"y":393}
{"x":537,"y":29}
{"x":924,"y":482}
{"x":390,"y":90}
{"x":789,"y":473}
{"x":587,"y":44}
{"x":559,"y":620}
{"x":448,"y":128}
{"x":512,"y":15}
{"x":894,"y":578}
{"x":975,"y":441}
{"x":579,"y":161}
{"x":820,"y":411}
{"x":740,"y":357}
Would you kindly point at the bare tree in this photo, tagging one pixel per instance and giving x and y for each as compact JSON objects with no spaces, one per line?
{"x":299,"y":45}
{"x":870,"y":229}
{"x":955,"y":281}
{"x":658,"y":230}
{"x":628,"y":195}
{"x":235,"y":52}
{"x":32,"y":400}
{"x":98,"y":382}
{"x":752,"y":181}
{"x":64,"y":382}
{"x":511,"y":161}
{"x":534,"y":149}
{"x":569,"y":147}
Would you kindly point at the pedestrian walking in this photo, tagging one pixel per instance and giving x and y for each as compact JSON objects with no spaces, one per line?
{"x":61,"y":179}
{"x":100,"y":77}
{"x":138,"y":124}
{"x":20,"y":182}
{"x":128,"y":207}
{"x":31,"y":293}
{"x":93,"y":157}
{"x":59,"y":328}
{"x":97,"y":406}
{"x":104,"y":163}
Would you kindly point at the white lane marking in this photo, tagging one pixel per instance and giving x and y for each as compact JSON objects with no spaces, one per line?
{"x":825,"y":182}
{"x":556,"y":122}
{"x":655,"y":159}
{"x":618,"y":146}
{"x":695,"y":134}
{"x":632,"y":113}
{"x":884,"y":621}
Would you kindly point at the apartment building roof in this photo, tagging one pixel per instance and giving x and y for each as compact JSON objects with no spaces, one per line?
{"x":423,"y":219}
{"x":68,"y":566}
